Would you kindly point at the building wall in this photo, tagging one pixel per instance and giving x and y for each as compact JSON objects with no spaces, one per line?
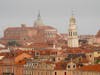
{"x":90,"y":57}
{"x":15,"y":69}
{"x":98,"y":40}
{"x":8,"y":66}
{"x":86,"y":73}
{"x":36,"y":34}
{"x":97,"y":54}
{"x":42,"y":68}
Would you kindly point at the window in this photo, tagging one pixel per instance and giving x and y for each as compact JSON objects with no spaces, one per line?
{"x":68,"y":66}
{"x":69,"y":33}
{"x":58,"y":58}
{"x":73,"y":66}
{"x":41,"y":73}
{"x":46,"y":73}
{"x":55,"y":73}
{"x":38,"y":73}
{"x":65,"y":73}
{"x":24,"y":38}
{"x":37,"y":53}
{"x":90,"y":55}
{"x":8,"y":73}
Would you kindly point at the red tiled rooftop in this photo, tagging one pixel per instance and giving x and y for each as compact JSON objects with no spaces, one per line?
{"x":60,"y":65}
{"x":90,"y":68}
{"x":78,"y":50}
{"x":22,"y":57}
{"x":18,"y":28}
{"x":45,"y":27}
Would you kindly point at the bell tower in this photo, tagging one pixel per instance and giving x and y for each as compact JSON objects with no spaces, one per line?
{"x":72,"y":33}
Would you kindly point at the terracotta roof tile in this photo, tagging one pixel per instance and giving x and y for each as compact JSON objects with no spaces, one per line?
{"x":22,"y":56}
{"x":60,"y":65}
{"x":78,"y":50}
{"x":95,"y":67}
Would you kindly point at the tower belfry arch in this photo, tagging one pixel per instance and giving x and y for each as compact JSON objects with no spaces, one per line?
{"x":72,"y":32}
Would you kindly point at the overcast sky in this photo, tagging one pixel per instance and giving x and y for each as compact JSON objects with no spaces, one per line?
{"x":55,"y":13}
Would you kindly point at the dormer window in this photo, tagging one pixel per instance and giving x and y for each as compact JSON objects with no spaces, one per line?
{"x":90,"y":55}
{"x":74,"y":66}
{"x":58,"y":58}
{"x":37,"y":54}
{"x":68,"y":66}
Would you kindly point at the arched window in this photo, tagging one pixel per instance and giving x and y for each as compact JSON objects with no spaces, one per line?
{"x":64,"y":73}
{"x":55,"y":73}
{"x":73,"y":66}
{"x":69,"y":33}
{"x":41,"y":73}
{"x":90,"y":56}
{"x":38,"y":73}
{"x":68,"y":66}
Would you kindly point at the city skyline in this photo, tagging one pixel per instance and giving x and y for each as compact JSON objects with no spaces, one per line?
{"x":53,"y":12}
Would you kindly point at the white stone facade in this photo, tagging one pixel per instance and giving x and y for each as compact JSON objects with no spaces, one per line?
{"x":72,"y":35}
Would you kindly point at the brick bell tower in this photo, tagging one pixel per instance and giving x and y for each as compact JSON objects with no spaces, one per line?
{"x":72,"y":33}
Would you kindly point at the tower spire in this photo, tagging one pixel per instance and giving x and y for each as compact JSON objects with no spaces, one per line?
{"x":72,"y":12}
{"x":39,"y":15}
{"x":38,"y":21}
{"x":72,"y":18}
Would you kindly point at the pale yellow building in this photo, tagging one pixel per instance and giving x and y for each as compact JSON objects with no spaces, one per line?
{"x":49,"y":68}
